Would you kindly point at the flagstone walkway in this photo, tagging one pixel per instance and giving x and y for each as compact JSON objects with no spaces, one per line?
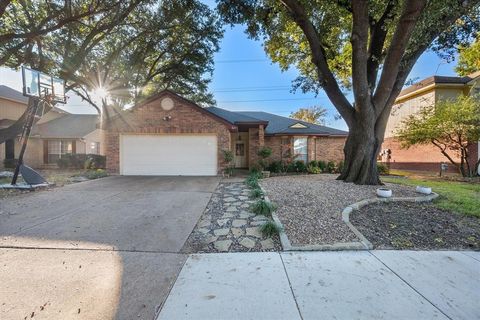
{"x":227,"y":225}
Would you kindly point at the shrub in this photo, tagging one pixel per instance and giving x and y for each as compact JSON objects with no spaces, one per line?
{"x":340,"y":166}
{"x":313,"y":169}
{"x":300,"y":166}
{"x":256,"y":193}
{"x":10,"y":163}
{"x":313,"y":163}
{"x":95,"y":161}
{"x":63,"y":163}
{"x":382,"y":168}
{"x":95,"y":174}
{"x":330,"y":167}
{"x":270,"y":229}
{"x":263,"y":207}
{"x":264,"y":153}
{"x":276,"y":166}
{"x":290,"y":167}
{"x":322,"y":165}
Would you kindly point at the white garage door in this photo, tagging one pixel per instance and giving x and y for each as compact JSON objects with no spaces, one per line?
{"x":148,"y":155}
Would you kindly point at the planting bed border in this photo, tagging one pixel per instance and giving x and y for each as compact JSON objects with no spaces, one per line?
{"x":363,"y":244}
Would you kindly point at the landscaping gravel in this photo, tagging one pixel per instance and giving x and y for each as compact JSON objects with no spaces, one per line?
{"x":404,"y":225}
{"x":310,"y":206}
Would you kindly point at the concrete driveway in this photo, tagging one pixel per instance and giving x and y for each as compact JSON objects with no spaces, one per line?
{"x":101,"y":249}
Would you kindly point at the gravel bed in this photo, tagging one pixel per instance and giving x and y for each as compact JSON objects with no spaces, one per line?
{"x":227,"y":225}
{"x":407,"y":225}
{"x":310,"y":206}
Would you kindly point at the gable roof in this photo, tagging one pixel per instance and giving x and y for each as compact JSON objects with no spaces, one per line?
{"x":71,"y":126}
{"x":17,"y":96}
{"x":439,"y":80}
{"x":275,"y":124}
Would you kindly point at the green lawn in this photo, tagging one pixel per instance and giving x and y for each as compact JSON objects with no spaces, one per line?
{"x":461,"y":197}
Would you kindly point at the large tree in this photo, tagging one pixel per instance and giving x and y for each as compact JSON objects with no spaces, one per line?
{"x":452,"y":126}
{"x":130,"y":48}
{"x":369,"y":47}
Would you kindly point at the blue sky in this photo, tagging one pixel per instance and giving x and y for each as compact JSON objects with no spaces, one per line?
{"x":255,"y":84}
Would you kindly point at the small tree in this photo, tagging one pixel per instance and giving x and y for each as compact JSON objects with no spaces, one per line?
{"x":468,"y":59}
{"x":450,"y":126}
{"x":315,"y":114}
{"x":264,"y":153}
{"x":228,"y":158}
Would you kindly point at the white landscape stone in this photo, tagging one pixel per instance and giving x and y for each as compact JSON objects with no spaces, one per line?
{"x":247,"y":243}
{"x":221,"y":232}
{"x":223,"y":245}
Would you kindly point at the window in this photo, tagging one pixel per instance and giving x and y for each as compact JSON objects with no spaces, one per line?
{"x":300,"y":149}
{"x":94,"y":148}
{"x":10,"y":149}
{"x":57,"y":149}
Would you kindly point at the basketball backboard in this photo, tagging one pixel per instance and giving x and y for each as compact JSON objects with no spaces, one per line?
{"x":39,"y":85}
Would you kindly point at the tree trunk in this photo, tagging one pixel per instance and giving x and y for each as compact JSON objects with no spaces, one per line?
{"x":361,"y":151}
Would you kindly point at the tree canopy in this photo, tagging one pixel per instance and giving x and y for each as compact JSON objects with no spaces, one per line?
{"x":468,"y":59}
{"x":315,"y":114}
{"x":368,"y":47}
{"x":451,"y":126}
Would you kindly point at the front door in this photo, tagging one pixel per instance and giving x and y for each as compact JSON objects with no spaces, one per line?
{"x":240,"y":155}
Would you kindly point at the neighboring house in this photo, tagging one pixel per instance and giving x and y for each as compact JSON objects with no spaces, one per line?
{"x":170,"y":135}
{"x":411,"y":100}
{"x":57,"y":133}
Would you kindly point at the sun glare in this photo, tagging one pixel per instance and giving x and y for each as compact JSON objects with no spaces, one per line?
{"x":101,"y":92}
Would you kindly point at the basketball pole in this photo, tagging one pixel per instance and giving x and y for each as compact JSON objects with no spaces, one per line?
{"x":25,"y":135}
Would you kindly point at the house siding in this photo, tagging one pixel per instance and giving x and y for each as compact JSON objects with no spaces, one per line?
{"x":329,"y":148}
{"x":149,"y":119}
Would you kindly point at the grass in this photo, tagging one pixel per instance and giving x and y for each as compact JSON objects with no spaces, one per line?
{"x":270,"y":229}
{"x":460,"y":197}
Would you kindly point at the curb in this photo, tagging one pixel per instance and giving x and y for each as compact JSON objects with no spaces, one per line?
{"x":363,"y":244}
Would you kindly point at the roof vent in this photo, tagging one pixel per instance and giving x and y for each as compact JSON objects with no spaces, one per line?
{"x":298,"y":125}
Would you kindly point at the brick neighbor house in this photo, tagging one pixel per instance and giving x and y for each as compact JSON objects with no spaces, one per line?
{"x":56,"y":134}
{"x":420,"y":95}
{"x":170,"y":135}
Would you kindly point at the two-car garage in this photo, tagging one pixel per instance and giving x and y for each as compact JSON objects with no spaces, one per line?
{"x":170,"y":155}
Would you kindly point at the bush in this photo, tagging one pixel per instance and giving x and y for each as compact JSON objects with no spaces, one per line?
{"x":270,"y":229}
{"x":276,"y":166}
{"x":382,"y":168}
{"x":313,"y":163}
{"x":256,"y":193}
{"x":313,"y":169}
{"x":263,"y":207}
{"x":290,"y":167}
{"x":300,"y":166}
{"x":95,"y":161}
{"x":340,"y":166}
{"x":330,"y":167}
{"x":10,"y":163}
{"x":322,"y":165}
{"x":95,"y":174}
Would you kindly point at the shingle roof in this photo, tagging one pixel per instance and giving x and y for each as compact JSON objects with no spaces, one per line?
{"x":437,"y":80}
{"x":12,"y":94}
{"x":232,"y":117}
{"x":71,"y":126}
{"x":278,"y":125}
{"x":274,"y":124}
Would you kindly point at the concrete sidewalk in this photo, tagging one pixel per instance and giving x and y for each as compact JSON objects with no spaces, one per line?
{"x":327,"y":285}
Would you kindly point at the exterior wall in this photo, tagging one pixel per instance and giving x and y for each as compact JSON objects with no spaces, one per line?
{"x":405,"y":108}
{"x":186,"y":118}
{"x":319,"y":148}
{"x":94,"y":136}
{"x":422,"y":157}
{"x":11,"y":110}
{"x":253,"y":146}
{"x":329,"y":148}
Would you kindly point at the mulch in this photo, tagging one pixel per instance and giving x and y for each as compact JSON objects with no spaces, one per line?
{"x":406,"y":225}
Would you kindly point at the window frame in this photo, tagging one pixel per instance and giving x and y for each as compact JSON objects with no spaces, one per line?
{"x":304,"y":155}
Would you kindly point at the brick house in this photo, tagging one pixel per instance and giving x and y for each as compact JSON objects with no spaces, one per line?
{"x":411,"y":100}
{"x":170,"y":135}
{"x":56,"y":134}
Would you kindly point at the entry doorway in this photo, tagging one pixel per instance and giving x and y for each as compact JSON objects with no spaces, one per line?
{"x":240,"y":154}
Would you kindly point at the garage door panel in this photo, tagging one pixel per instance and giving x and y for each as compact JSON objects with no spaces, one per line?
{"x":168,"y":155}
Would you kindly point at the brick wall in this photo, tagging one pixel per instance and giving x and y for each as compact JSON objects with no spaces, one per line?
{"x":186,"y":118}
{"x":420,"y":157}
{"x":329,"y":148}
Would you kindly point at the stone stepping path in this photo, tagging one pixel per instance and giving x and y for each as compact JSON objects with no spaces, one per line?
{"x":227,"y":225}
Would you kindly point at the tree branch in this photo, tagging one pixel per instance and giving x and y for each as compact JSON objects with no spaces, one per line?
{"x":391,"y":67}
{"x":326,"y":78}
